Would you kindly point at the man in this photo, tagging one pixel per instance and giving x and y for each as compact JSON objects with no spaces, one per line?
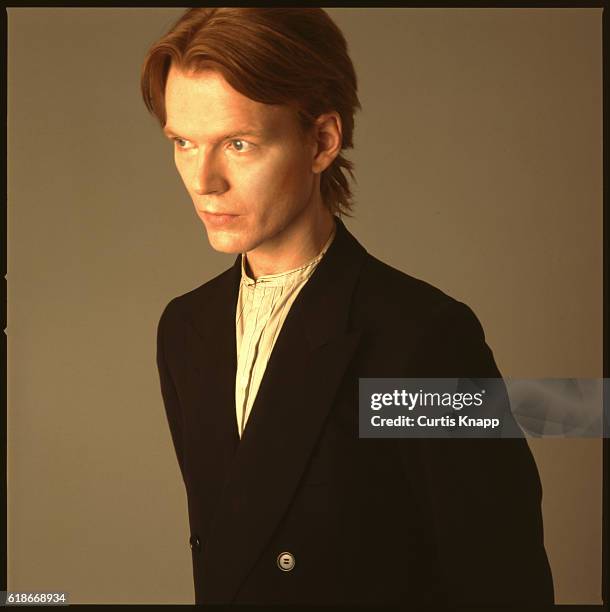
{"x":259,"y":367}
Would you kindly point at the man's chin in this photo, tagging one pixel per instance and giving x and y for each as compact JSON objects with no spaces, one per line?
{"x":223,"y":243}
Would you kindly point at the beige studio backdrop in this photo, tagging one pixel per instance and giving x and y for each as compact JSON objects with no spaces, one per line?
{"x":479,"y":165}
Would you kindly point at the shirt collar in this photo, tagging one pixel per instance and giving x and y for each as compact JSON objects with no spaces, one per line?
{"x":290,"y":276}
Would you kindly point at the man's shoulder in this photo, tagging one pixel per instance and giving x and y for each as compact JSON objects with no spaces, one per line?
{"x":392,"y":286}
{"x":389,"y":297}
{"x":197,"y":297}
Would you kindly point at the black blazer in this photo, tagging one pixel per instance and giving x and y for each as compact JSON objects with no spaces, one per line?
{"x":372,"y":521}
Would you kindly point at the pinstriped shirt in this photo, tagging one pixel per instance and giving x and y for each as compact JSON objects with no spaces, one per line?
{"x":262,"y":307}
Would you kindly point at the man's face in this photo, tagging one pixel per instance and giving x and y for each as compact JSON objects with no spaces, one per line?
{"x":246,"y":165}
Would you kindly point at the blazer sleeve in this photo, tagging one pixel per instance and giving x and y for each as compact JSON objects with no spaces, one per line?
{"x":168,"y":390}
{"x":480,"y":499}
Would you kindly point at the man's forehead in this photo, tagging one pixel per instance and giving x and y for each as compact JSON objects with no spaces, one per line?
{"x":205,"y":101}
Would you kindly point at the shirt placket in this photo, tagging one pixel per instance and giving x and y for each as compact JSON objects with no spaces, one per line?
{"x":254,"y":336}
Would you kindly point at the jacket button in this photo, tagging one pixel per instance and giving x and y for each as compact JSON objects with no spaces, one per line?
{"x":285,"y":561}
{"x":194,"y":542}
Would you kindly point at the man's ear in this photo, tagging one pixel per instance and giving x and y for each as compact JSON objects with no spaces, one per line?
{"x":328,"y":138}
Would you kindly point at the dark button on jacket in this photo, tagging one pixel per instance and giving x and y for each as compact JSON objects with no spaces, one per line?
{"x":195,"y":543}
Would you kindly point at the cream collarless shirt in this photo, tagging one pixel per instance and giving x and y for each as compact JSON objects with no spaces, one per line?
{"x":262,"y":307}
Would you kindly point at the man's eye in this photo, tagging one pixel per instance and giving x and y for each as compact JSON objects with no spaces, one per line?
{"x":240,"y":145}
{"x":181,"y":143}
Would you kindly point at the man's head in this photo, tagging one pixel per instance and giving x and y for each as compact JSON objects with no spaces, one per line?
{"x":260,"y":103}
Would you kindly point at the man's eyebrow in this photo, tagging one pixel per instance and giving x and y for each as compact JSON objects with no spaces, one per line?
{"x":245,"y":131}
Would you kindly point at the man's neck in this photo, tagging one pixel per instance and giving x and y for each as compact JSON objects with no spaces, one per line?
{"x":297,"y":246}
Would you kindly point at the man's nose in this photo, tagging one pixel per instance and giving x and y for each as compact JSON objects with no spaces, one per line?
{"x":207,"y":174}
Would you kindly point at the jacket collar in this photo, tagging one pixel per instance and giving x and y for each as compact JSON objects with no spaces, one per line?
{"x":321,"y":306}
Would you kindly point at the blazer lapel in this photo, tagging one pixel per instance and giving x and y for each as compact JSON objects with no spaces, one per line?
{"x":211,"y":353}
{"x":306,"y":366}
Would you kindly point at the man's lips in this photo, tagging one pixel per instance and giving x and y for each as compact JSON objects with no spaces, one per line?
{"x":218,"y":219}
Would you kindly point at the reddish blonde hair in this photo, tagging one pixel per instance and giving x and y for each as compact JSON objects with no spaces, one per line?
{"x":292,"y":56}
